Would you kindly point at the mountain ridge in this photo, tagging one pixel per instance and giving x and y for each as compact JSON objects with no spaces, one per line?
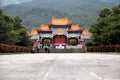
{"x":112,"y":1}
{"x":38,"y":12}
{"x":8,"y":2}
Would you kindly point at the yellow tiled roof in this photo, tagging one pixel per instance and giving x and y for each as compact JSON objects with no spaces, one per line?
{"x":33,"y":32}
{"x":75,"y":28}
{"x":60,"y":21}
{"x":85,"y":31}
{"x":44,"y":27}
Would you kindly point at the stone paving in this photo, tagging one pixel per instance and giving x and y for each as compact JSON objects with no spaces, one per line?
{"x":60,"y":67}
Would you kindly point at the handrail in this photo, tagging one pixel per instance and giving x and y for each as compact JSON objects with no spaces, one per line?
{"x":104,"y":48}
{"x":13,"y":48}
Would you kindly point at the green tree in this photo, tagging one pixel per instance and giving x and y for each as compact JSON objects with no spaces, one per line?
{"x":104,"y":13}
{"x":106,"y":30}
{"x":72,"y":42}
{"x":24,"y":39}
{"x":47,"y":42}
{"x":12,"y":31}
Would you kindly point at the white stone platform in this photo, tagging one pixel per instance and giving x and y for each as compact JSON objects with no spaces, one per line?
{"x":60,"y":67}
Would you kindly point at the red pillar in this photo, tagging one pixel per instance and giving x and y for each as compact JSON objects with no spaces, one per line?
{"x":83,"y":44}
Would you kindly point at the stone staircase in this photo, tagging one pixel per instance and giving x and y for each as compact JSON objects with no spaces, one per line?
{"x":64,"y":51}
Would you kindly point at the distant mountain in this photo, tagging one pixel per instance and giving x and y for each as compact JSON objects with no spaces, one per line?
{"x":36,"y":12}
{"x":7,"y":2}
{"x":113,"y":1}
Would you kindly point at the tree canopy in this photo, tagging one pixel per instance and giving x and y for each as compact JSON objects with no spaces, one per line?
{"x":106,"y":30}
{"x":12,"y":31}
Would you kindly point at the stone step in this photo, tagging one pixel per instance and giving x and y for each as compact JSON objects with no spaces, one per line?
{"x":64,"y":51}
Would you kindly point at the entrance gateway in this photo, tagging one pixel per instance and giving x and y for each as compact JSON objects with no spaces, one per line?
{"x":60,"y":32}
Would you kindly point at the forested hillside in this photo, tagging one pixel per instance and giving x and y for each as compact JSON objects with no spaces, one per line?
{"x":36,"y":12}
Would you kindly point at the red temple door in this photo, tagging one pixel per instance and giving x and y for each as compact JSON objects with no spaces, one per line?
{"x":60,"y":40}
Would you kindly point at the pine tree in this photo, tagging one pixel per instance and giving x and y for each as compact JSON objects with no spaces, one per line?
{"x":106,"y":30}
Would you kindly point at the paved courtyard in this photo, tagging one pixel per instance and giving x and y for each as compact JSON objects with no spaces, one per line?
{"x":60,"y":67}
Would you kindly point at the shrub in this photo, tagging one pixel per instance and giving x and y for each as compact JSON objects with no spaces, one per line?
{"x":89,"y":44}
{"x":72,"y":42}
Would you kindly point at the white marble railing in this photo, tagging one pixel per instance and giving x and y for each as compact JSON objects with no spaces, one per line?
{"x":83,"y":36}
{"x":74,"y":47}
{"x":46,"y":35}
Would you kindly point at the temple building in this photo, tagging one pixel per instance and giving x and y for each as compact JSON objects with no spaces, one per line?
{"x":60,"y":31}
